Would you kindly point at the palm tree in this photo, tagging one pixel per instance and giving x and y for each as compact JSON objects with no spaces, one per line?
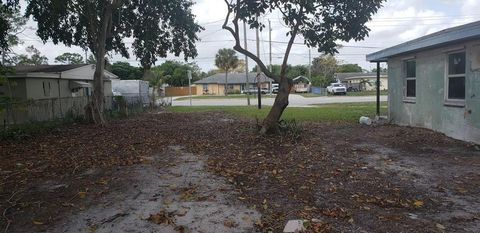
{"x":226,"y":60}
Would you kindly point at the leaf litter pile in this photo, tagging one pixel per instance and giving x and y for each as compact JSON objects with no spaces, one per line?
{"x":337,"y":176}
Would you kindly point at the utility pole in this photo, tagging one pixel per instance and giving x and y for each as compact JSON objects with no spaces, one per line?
{"x":310,"y":64}
{"x":86,"y":56}
{"x":189,"y":75}
{"x":247,"y":87}
{"x":270,"y":45}
{"x":259,"y":93}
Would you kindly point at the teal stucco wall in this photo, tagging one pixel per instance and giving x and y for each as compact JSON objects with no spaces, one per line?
{"x":430,"y":109}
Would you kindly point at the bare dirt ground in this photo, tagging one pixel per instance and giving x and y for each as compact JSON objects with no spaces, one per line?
{"x":210,"y":172}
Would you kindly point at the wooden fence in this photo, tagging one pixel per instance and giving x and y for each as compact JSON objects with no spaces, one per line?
{"x":179,"y":91}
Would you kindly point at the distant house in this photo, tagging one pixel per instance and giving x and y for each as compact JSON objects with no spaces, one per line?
{"x":236,"y":83}
{"x":53,"y":81}
{"x":362,"y":81}
{"x":434,"y":81}
{"x":301,"y":84}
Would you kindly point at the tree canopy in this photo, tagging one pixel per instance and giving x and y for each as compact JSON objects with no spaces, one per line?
{"x":349,"y":68}
{"x":33,"y":57}
{"x":175,"y":73}
{"x":226,"y":60}
{"x":292,"y":71}
{"x":69,"y":58}
{"x":8,"y":16}
{"x":157,"y":27}
{"x":125,"y":71}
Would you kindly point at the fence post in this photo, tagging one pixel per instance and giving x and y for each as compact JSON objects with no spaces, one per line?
{"x":53,"y":109}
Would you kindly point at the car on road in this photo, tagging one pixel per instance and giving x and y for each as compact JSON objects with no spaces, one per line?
{"x":337,"y":88}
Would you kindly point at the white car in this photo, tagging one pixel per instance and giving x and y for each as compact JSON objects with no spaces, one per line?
{"x":275,"y":87}
{"x":337,"y":88}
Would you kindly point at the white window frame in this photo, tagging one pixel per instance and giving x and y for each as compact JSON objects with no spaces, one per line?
{"x":410,"y":99}
{"x":454,"y":102}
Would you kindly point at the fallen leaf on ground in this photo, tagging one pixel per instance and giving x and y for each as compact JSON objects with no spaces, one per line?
{"x":162,"y":217}
{"x":82,"y":194}
{"x":418,"y":203}
{"x":440,"y":226}
{"x":230,"y":223}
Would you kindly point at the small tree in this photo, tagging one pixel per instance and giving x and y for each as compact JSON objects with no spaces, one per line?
{"x":321,"y":23}
{"x":69,"y":58}
{"x":226,"y":60}
{"x":155,"y":78}
{"x":157,"y":27}
{"x":325,"y":66}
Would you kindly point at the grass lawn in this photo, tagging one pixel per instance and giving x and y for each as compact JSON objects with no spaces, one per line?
{"x":359,"y":93}
{"x":366,"y":93}
{"x":232,"y":96}
{"x":325,"y":112}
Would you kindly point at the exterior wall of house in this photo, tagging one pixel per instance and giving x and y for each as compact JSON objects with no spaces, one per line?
{"x":218,"y":89}
{"x":214,"y":89}
{"x":429,"y":109}
{"x":47,"y":88}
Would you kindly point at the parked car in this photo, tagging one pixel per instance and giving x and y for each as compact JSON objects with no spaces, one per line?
{"x":337,"y":88}
{"x":275,"y":87}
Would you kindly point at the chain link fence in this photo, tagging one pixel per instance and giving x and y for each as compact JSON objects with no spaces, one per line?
{"x":14,"y":113}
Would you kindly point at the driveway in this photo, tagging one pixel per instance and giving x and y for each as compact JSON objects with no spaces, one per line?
{"x":295,"y":101}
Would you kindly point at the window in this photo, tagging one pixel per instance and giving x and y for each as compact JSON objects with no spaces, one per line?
{"x":230,"y":87}
{"x":455,"y":83}
{"x":46,"y":88}
{"x":410,"y":79}
{"x":205,"y":87}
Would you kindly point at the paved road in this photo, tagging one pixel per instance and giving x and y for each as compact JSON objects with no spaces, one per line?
{"x":295,"y":101}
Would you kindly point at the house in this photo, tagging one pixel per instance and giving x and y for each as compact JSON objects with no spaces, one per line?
{"x":53,"y":81}
{"x":236,"y":83}
{"x":301,"y":84}
{"x":434,"y":81}
{"x":362,"y":81}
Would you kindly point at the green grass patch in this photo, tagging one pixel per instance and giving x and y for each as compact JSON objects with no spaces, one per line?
{"x":358,"y":93}
{"x":326,"y":112}
{"x":309,"y":95}
{"x":366,"y":93}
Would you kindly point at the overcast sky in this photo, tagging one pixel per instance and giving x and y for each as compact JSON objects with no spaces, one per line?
{"x":396,"y":22}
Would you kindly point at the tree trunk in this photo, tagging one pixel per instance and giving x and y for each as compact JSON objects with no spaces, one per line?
{"x":226,"y":83}
{"x":97,"y":102}
{"x":270,"y":123}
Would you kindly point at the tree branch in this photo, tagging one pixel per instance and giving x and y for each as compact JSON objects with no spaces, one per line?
{"x":290,"y":44}
{"x":239,"y":48}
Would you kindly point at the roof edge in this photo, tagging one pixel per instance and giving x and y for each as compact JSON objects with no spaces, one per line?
{"x":452,"y":35}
